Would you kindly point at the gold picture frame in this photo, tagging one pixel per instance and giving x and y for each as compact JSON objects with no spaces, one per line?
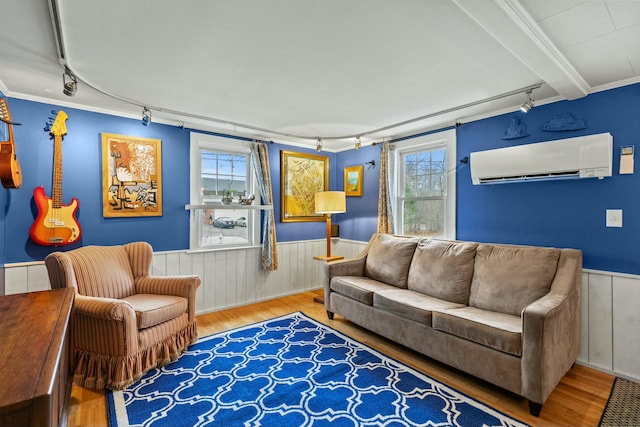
{"x":131,"y":176}
{"x":353,"y":180}
{"x":301,"y":176}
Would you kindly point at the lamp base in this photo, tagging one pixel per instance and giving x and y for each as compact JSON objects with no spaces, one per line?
{"x":328,"y":258}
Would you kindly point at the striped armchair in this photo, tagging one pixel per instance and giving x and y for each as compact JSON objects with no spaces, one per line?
{"x":125,"y":322}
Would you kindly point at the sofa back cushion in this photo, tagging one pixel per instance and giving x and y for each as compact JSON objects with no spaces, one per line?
{"x":443,"y":269}
{"x":508,"y":278}
{"x":389,"y":258}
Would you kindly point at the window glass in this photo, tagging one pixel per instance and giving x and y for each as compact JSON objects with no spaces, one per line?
{"x":221,"y":176}
{"x":423,"y":186}
{"x":424,"y":191}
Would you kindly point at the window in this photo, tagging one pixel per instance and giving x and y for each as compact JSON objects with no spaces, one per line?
{"x":423,"y":186}
{"x":221,"y":173}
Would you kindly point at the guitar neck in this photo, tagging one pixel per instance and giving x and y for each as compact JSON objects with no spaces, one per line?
{"x":56,"y":196}
{"x":5,"y":115}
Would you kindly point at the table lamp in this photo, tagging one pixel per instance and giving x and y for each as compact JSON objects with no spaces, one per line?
{"x":330,"y":202}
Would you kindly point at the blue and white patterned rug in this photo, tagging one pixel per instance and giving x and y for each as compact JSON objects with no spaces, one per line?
{"x":292,"y":371}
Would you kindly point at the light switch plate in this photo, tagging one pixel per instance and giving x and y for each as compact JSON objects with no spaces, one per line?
{"x":614,"y":217}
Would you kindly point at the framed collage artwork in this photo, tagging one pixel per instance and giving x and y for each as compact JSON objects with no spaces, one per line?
{"x":131,"y":176}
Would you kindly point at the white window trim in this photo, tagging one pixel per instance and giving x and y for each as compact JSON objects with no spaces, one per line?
{"x":199,"y":141}
{"x":446,"y":139}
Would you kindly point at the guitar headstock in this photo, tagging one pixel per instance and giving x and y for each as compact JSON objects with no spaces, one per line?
{"x":4,"y":111}
{"x":59,"y":127}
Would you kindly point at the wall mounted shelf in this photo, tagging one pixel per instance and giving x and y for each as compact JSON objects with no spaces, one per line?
{"x":234,"y":206}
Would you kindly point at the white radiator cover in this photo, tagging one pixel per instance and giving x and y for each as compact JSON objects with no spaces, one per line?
{"x":588,"y":156}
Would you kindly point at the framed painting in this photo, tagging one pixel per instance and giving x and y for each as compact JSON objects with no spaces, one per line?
{"x":131,"y":176}
{"x":353,"y":180}
{"x":301,"y":177}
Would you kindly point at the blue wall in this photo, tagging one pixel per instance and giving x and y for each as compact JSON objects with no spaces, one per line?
{"x":559,"y":213}
{"x":361,"y":219}
{"x":81,"y":178}
{"x":82,"y":171}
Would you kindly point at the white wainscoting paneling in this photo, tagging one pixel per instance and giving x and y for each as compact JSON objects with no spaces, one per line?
{"x":229,"y":277}
{"x":611,"y":323}
{"x":626,"y":326}
{"x":610,"y":301}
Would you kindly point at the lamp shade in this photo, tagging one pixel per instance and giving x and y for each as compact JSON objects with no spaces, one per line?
{"x":330,"y":202}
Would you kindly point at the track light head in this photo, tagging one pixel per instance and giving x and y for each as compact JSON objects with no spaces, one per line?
{"x":146,"y":116}
{"x":69,"y":82}
{"x":319,"y":145}
{"x":358,"y":143}
{"x":529,"y":103}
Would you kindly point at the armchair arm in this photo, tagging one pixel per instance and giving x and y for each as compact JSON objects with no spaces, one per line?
{"x":181,"y":286}
{"x":347,"y":267}
{"x":104,"y":326}
{"x":103,"y":308}
{"x":551,"y":330}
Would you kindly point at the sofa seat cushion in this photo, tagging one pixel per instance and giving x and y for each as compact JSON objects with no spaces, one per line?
{"x":500,"y":331}
{"x":508,"y":278}
{"x":358,"y":288}
{"x":154,"y":309}
{"x":443,"y":269}
{"x":410,"y":304}
{"x":389,"y":258}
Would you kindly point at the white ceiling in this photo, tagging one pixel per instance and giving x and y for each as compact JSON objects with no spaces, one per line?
{"x":298,"y":70}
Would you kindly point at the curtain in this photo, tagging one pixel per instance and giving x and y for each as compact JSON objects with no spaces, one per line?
{"x":385,"y":216}
{"x":260,"y":162}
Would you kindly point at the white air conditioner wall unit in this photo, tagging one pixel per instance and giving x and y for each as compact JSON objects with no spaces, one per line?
{"x":581,"y":157}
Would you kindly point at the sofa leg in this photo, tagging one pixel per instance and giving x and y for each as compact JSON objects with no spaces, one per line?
{"x":330,"y":315}
{"x":535,"y":408}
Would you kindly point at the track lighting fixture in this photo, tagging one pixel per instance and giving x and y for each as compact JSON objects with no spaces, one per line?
{"x":146,"y":116}
{"x":319,"y":145}
{"x":357,"y":143}
{"x":529,"y":103}
{"x":70,"y":83}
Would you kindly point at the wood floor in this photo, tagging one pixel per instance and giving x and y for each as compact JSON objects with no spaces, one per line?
{"x":578,"y":400}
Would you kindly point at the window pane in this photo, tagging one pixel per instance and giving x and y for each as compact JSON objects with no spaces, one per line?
{"x":221,"y":172}
{"x":223,"y":227}
{"x":425,"y":173}
{"x":424,"y":218}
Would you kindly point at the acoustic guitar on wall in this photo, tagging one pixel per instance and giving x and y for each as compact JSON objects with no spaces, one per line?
{"x":56,"y":224}
{"x":10,"y":172}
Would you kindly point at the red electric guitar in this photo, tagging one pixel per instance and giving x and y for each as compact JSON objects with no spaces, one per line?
{"x":10,"y":173}
{"x":56,"y":223}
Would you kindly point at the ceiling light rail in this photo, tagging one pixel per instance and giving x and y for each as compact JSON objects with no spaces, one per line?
{"x":70,"y":87}
{"x":236,"y":125}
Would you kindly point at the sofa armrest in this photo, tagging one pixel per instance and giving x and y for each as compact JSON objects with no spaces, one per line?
{"x":180,"y":286}
{"x":347,"y":267}
{"x":551,"y":330}
{"x":104,"y":325}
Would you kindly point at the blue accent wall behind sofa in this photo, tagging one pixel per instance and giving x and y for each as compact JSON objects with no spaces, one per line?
{"x":559,"y":213}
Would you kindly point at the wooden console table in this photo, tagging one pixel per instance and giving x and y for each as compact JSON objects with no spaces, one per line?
{"x":34,"y":357}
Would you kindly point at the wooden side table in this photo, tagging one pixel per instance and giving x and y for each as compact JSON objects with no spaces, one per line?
{"x":34,"y":358}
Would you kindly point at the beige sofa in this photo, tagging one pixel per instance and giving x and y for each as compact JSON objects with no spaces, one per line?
{"x":507,"y":314}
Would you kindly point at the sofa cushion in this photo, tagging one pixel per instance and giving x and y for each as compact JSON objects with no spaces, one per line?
{"x":508,"y":278}
{"x":154,"y":309}
{"x":358,"y":288}
{"x":410,"y":304}
{"x":389,"y":258}
{"x":443,"y":269}
{"x":499,"y":331}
